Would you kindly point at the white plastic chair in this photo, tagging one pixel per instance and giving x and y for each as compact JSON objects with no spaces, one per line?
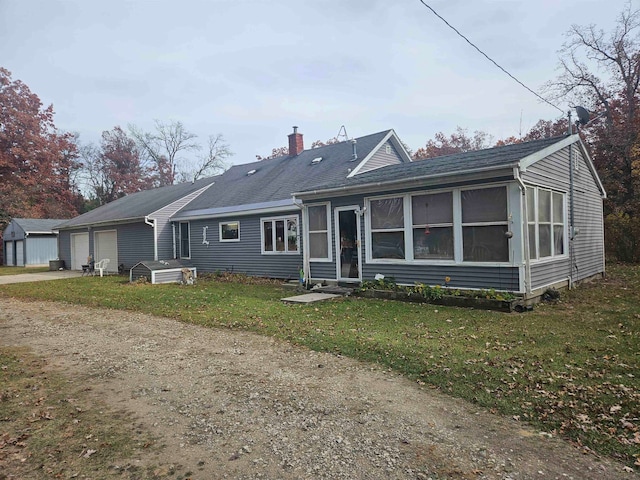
{"x":101,"y":266}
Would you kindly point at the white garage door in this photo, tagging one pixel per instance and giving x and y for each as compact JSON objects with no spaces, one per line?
{"x":8,"y":251}
{"x":79,"y":250}
{"x":20,"y":253}
{"x":106,"y":246}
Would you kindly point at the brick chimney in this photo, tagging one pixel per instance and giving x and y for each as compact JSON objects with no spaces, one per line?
{"x":295,"y":143}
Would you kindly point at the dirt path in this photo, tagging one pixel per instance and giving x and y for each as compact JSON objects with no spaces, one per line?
{"x":237,"y":405}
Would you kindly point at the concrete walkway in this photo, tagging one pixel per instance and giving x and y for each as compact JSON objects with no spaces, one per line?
{"x":38,"y":277}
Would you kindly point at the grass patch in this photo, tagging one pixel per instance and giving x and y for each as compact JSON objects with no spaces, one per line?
{"x":570,"y":368}
{"x":4,"y":270}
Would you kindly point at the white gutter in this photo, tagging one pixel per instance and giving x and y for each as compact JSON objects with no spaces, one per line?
{"x":525,"y":231}
{"x":173,"y":231}
{"x":152,"y":223}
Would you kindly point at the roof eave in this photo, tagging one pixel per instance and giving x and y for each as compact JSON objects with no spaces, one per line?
{"x":101,"y":223}
{"x":508,"y":168}
{"x":237,"y":210}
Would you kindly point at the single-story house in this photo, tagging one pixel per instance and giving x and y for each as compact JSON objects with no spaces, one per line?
{"x":30,"y":241}
{"x":128,"y":230}
{"x":518,"y":218}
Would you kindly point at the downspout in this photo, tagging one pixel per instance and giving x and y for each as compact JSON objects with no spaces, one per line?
{"x":525,"y":214}
{"x":306,"y":262}
{"x":571,"y":211}
{"x":173,"y":231}
{"x":152,"y":224}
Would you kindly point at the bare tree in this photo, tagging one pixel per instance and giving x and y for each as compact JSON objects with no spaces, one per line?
{"x":596,"y":68}
{"x":602,"y":73}
{"x":213,"y":162}
{"x":168,"y":147}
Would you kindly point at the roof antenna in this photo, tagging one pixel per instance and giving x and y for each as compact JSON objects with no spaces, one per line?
{"x":342,"y":133}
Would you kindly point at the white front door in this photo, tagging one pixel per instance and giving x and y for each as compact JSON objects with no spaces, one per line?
{"x":348,"y":252}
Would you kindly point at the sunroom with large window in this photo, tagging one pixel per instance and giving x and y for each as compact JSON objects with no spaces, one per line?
{"x":453,"y":226}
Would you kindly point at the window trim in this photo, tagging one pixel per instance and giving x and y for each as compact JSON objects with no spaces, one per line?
{"x":370,"y":230}
{"x":457,"y":228}
{"x":552,"y":223}
{"x":308,"y":232}
{"x":493,"y":223}
{"x":273,"y":220}
{"x":226,"y":240}
{"x":451,"y":224}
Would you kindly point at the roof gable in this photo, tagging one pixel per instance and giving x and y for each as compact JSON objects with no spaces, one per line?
{"x":401,"y":157}
{"x":276,"y":179}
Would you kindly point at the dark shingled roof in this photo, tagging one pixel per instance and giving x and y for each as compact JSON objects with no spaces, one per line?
{"x":137,"y":205}
{"x":278,"y":178}
{"x":489,"y":158}
{"x":38,"y":225}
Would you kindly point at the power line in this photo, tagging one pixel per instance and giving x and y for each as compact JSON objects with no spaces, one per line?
{"x":487,"y":56}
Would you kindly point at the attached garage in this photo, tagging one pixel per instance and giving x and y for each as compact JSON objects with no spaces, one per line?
{"x":106,"y":246}
{"x":79,"y":250}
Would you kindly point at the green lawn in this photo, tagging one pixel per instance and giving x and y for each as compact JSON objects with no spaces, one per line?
{"x":570,"y":368}
{"x":18,"y":270}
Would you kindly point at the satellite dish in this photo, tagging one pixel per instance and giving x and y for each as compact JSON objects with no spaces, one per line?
{"x":583,"y":115}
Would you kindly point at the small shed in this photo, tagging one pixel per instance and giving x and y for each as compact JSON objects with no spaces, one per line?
{"x":30,"y":241}
{"x":162,"y":271}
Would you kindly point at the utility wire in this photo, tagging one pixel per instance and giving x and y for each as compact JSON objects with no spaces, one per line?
{"x":487,"y":56}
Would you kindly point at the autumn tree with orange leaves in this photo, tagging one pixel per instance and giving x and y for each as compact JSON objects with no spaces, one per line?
{"x":36,"y":161}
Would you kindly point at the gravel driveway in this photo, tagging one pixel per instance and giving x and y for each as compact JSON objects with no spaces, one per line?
{"x":236,"y":405}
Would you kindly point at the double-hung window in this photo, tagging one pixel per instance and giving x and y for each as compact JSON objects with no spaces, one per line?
{"x":280,"y":235}
{"x":485,"y":224}
{"x":319,"y":233}
{"x":546,"y":225}
{"x":387,"y":228}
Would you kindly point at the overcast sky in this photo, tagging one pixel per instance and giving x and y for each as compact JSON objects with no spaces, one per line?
{"x":251,"y":69}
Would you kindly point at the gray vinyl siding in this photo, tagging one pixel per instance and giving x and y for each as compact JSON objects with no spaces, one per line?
{"x":553,"y":172}
{"x":381,"y":158}
{"x":135,"y":243}
{"x":547,"y":273}
{"x":462,"y":276}
{"x":245,"y":255}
